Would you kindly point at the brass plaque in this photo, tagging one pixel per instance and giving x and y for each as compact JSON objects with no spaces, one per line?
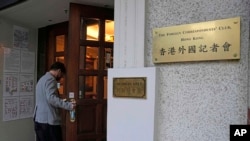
{"x":134,"y":87}
{"x":212,"y":40}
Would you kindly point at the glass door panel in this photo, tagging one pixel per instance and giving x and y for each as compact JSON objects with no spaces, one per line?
{"x":108,"y":61}
{"x":60,"y":43}
{"x":60,"y":59}
{"x":87,"y":87}
{"x":109,"y":31}
{"x":90,"y":29}
{"x":89,"y":58}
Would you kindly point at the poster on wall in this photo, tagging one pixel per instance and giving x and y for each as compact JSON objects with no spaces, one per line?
{"x":10,"y":84}
{"x":26,"y":104}
{"x":18,"y":96}
{"x":20,"y":37}
{"x":10,"y":108}
{"x":18,"y":77}
{"x":26,"y":83}
{"x":27,"y":61}
{"x":11,"y":60}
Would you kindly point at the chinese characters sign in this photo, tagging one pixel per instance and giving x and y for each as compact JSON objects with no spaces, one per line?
{"x":213,"y":40}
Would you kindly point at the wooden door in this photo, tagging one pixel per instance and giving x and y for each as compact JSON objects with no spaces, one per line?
{"x":88,"y":56}
{"x":55,"y":51}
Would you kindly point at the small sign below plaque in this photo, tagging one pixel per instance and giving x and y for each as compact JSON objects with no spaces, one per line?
{"x":134,"y":87}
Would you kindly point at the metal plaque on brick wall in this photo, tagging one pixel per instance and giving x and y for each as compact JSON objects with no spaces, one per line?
{"x":212,"y":40}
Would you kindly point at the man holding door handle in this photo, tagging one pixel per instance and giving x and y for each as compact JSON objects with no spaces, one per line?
{"x":47,"y":118}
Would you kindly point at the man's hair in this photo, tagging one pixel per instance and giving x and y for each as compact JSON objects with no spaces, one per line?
{"x":58,"y":65}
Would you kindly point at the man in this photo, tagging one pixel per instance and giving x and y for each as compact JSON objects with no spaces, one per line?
{"x":47,"y":118}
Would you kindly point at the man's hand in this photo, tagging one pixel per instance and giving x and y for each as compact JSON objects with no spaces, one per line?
{"x":73,"y":104}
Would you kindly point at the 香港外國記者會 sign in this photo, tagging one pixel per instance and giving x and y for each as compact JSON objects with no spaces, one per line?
{"x":212,"y":40}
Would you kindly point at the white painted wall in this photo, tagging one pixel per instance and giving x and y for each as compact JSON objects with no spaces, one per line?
{"x":133,"y":119}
